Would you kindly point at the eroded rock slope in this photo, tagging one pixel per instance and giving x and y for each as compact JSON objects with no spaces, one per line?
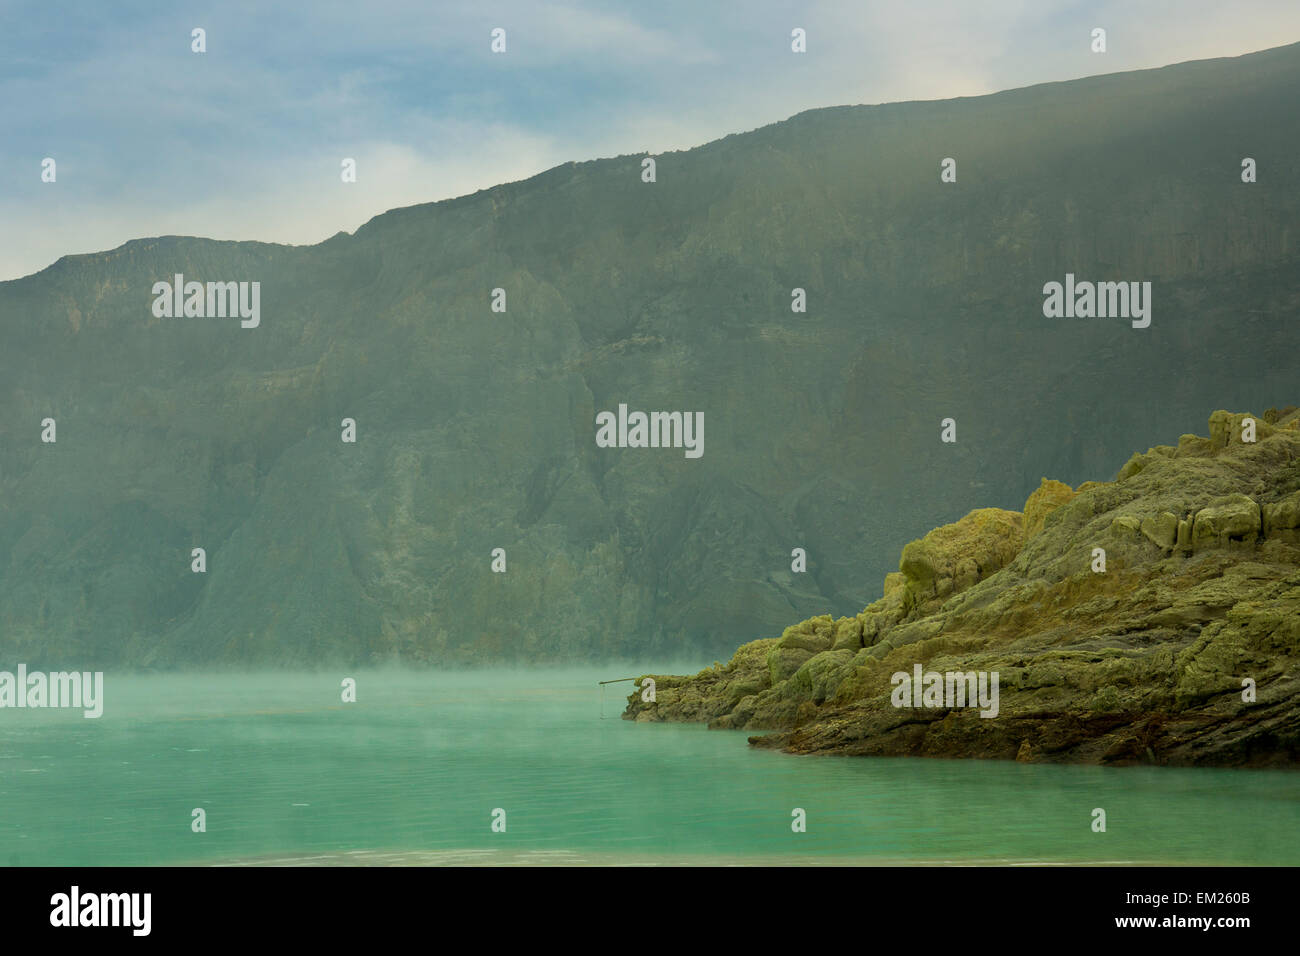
{"x":1146,"y":661}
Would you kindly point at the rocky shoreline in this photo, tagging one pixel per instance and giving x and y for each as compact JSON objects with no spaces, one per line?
{"x":1154,"y":659}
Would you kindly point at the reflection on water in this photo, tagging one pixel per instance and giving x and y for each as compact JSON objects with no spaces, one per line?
{"x":411,"y":773}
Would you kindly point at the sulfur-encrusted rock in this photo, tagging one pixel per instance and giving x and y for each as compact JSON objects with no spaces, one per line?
{"x":1142,"y":663}
{"x":1049,"y":496}
{"x":1194,"y":446}
{"x":1281,"y":519}
{"x":1227,"y":522}
{"x":813,"y":635}
{"x":958,"y":555}
{"x":1161,"y":529}
{"x":783,"y":661}
{"x":1226,"y":428}
{"x":819,"y":677}
{"x":848,"y":634}
{"x":1126,"y":524}
{"x":1133,"y":466}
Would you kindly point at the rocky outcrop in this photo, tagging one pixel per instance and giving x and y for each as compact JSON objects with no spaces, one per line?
{"x":1049,"y":496}
{"x":959,"y":555}
{"x":1155,"y":618}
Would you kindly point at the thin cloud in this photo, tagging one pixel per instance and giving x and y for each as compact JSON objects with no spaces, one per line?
{"x":245,"y":141}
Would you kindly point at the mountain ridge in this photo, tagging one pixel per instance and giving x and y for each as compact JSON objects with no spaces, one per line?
{"x":476,"y":429}
{"x":573,"y":165}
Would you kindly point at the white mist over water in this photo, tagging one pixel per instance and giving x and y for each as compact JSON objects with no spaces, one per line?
{"x":412,"y":772}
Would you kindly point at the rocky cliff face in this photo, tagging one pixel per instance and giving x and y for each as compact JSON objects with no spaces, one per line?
{"x":475,"y":428}
{"x":1152,"y":659}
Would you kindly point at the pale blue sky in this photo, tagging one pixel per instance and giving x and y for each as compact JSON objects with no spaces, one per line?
{"x":244,"y":141}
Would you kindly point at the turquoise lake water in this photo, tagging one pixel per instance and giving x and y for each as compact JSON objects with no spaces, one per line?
{"x":412,"y":772}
